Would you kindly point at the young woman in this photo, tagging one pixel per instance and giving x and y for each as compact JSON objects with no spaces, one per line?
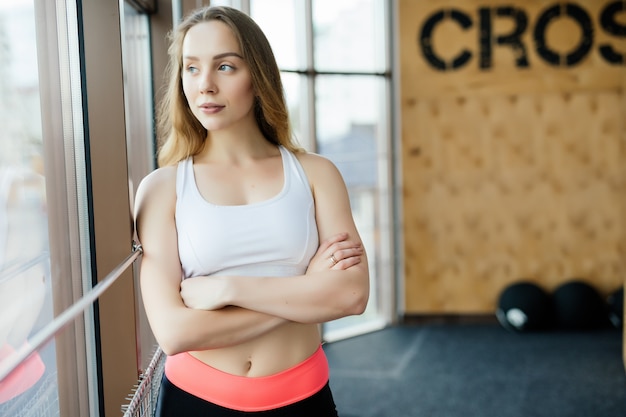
{"x":234,"y":279}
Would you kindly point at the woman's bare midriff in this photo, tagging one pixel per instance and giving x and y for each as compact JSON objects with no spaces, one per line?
{"x":273,"y":352}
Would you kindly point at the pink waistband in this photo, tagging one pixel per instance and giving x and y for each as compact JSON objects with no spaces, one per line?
{"x":246,"y":393}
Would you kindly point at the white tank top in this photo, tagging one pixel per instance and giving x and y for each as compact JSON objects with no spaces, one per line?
{"x":275,"y":237}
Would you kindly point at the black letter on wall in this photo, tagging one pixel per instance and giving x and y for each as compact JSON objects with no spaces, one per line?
{"x":512,"y":39}
{"x":425,"y":40}
{"x":610,"y":24}
{"x":581,"y":17}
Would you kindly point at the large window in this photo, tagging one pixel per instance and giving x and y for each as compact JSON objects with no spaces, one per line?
{"x":64,"y":191}
{"x":25,"y":279}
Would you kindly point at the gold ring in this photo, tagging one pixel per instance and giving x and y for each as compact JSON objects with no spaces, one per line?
{"x":332,"y":258}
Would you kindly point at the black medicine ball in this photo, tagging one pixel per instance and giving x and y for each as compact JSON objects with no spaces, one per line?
{"x":524,"y":306}
{"x":615,"y":303}
{"x":578,"y":306}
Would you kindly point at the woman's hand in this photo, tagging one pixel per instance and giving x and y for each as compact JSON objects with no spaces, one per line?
{"x":337,"y":252}
{"x":205,"y":293}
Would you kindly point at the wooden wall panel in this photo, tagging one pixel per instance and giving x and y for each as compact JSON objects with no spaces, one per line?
{"x":509,"y":173}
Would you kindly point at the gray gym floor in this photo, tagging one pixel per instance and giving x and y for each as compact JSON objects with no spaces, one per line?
{"x":478,"y":370}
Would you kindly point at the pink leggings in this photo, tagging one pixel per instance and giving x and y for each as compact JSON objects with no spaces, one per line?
{"x":245,"y":393}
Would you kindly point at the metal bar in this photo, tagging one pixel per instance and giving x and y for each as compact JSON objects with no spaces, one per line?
{"x":65,"y":318}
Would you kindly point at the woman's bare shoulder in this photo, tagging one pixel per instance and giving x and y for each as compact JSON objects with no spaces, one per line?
{"x":159,"y":185}
{"x":160,"y":176}
{"x":314,"y":162}
{"x":318,"y":168}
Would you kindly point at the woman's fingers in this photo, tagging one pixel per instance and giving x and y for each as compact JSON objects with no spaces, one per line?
{"x":345,"y":249}
{"x":347,"y":263}
{"x":346,"y":257}
{"x":336,"y":252}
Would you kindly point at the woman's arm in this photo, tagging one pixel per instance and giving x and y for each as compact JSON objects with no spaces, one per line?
{"x":176,"y":327}
{"x":320,"y":295}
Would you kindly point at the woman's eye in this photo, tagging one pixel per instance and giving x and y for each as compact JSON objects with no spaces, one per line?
{"x":191,"y":69}
{"x":226,"y":67}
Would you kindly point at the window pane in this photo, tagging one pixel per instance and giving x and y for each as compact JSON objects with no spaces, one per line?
{"x":350,"y":110}
{"x":351,"y":126}
{"x":349,"y":35}
{"x":230,"y":3}
{"x":25,"y":284}
{"x":282,"y":21}
{"x":295,"y":86}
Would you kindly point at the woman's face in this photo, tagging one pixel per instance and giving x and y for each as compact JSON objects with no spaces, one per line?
{"x":216,"y":80}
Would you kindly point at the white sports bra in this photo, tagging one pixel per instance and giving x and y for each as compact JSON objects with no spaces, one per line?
{"x":275,"y":237}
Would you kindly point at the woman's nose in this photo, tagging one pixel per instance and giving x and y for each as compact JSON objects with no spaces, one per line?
{"x":207,"y":84}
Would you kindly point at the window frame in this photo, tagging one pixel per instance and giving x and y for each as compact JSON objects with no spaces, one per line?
{"x":388,"y":290}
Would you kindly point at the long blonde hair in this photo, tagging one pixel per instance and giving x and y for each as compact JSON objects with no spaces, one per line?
{"x":180,"y":132}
